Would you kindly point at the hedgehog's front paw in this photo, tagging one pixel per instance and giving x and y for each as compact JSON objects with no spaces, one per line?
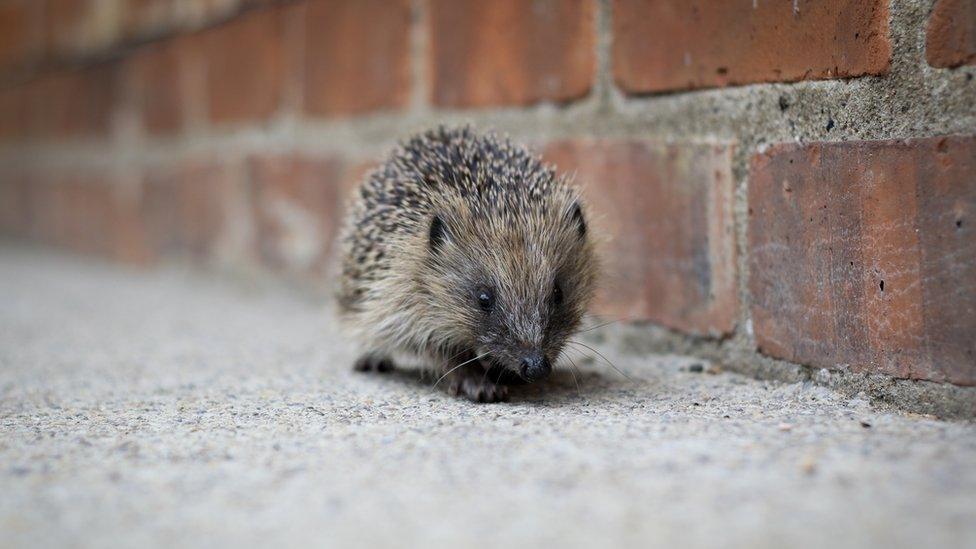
{"x":374,"y":363}
{"x":479,"y":390}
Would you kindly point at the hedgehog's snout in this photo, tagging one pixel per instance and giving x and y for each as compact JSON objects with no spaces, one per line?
{"x":534,"y":366}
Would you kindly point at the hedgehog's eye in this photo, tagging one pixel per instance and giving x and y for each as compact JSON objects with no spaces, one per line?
{"x":557,"y":295}
{"x":486,"y":299}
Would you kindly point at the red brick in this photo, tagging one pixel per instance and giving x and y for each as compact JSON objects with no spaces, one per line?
{"x":864,"y":254}
{"x":131,"y":244}
{"x":157,"y":79}
{"x":14,"y":113}
{"x":71,"y":104}
{"x":950,"y":39}
{"x":510,"y":52}
{"x":87,"y":213}
{"x":186,"y":208}
{"x":244,"y":64}
{"x":296,"y":207}
{"x":662,"y":45}
{"x":663,"y":217}
{"x":20,"y":33}
{"x":357,"y":56}
{"x":71,"y":212}
{"x":78,"y":27}
{"x":15,"y":204}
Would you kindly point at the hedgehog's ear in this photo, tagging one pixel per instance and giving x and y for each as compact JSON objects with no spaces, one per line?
{"x":437,"y":234}
{"x":576,"y":217}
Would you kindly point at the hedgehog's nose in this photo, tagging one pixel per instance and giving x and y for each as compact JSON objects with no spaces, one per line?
{"x":535,"y":366}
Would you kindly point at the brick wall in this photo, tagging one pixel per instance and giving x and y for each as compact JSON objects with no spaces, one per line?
{"x":777,"y":181}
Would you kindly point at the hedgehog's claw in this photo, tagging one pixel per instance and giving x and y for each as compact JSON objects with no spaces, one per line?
{"x":374,"y":363}
{"x":476,"y":389}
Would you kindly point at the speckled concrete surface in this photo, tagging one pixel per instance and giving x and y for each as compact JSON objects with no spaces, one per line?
{"x":165,"y":409}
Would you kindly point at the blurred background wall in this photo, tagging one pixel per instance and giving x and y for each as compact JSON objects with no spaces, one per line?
{"x":781,"y":183}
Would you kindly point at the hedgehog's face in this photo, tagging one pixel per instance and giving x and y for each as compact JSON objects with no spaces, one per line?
{"x":518,"y":289}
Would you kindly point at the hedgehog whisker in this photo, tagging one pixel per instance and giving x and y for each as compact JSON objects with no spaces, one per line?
{"x":573,"y":368}
{"x":447,"y":373}
{"x":602,"y":324}
{"x":605,"y":359}
{"x":498,"y":377}
{"x":457,"y":355}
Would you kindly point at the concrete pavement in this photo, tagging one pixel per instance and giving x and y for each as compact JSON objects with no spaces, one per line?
{"x":167,"y":408}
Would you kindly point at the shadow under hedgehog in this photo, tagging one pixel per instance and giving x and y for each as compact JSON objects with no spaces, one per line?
{"x":467,"y":251}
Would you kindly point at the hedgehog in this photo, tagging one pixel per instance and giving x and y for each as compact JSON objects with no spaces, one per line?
{"x":468,"y":252}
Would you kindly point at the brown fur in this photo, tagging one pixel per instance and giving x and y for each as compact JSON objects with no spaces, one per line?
{"x":510,"y":225}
